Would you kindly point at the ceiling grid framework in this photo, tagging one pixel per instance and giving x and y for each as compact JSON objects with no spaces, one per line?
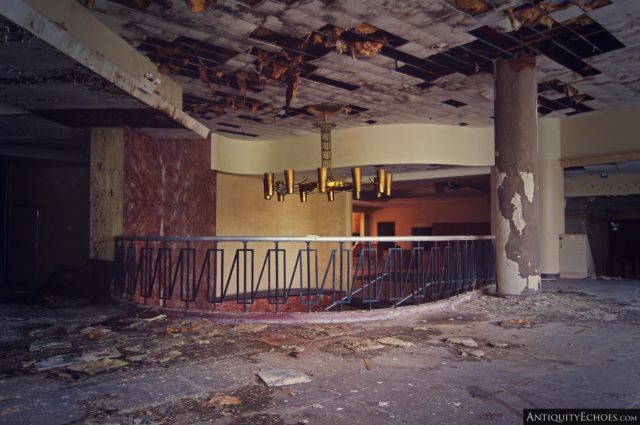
{"x":427,"y":61}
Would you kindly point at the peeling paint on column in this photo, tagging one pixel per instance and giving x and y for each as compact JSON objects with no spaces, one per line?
{"x":516,"y":217}
{"x":529,"y":185}
{"x":517,"y":245}
{"x":501,"y":177}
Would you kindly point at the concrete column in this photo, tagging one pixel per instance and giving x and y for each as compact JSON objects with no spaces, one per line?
{"x":551,"y":216}
{"x":106,"y":193}
{"x":516,"y":144}
{"x":551,"y":197}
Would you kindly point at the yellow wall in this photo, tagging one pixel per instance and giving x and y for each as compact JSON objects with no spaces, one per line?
{"x":601,"y":133}
{"x":380,"y":144}
{"x":241,"y":210}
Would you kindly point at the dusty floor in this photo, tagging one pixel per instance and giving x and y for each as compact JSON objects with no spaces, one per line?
{"x":574,"y":345}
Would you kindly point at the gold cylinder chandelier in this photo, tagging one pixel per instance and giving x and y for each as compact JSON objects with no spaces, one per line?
{"x":326,"y":182}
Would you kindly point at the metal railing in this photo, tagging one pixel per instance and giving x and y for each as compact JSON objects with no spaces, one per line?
{"x":315,"y":273}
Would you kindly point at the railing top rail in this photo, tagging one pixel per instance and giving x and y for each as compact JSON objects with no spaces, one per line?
{"x":308,"y":238}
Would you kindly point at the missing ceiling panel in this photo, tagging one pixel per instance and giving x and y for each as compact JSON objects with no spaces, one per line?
{"x":497,"y":40}
{"x":250,"y":118}
{"x":224,"y":124}
{"x":454,"y":103}
{"x":183,"y":55}
{"x":597,"y":37}
{"x":331,"y":82}
{"x":239,"y":133}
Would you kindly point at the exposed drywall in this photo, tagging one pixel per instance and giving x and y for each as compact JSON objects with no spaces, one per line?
{"x":169,"y":188}
{"x":600,"y":133}
{"x":384,"y":144}
{"x":107,"y":176}
{"x":616,"y":184}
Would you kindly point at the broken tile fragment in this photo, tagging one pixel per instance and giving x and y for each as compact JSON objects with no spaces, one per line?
{"x":94,"y":367}
{"x":55,"y":362}
{"x":361,"y":344}
{"x":465,"y":342}
{"x":48,"y":345}
{"x":107,"y":353}
{"x":499,"y":344}
{"x":223,"y":400}
{"x":472,"y":352}
{"x":156,"y":318}
{"x":283,"y":377}
{"x":395,"y":342}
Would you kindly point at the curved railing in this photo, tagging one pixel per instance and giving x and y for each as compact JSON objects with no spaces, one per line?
{"x":299,"y":273}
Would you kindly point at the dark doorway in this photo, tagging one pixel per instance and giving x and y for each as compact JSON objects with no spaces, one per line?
{"x":421,"y":231}
{"x":623,"y":248}
{"x":387,"y":228}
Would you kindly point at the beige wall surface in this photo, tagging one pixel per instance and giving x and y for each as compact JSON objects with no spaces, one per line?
{"x":601,"y":133}
{"x":616,"y":184}
{"x":381,"y":144}
{"x":241,"y":210}
{"x":106,"y":193}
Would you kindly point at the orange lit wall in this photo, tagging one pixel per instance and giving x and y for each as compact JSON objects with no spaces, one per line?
{"x":424,"y":213}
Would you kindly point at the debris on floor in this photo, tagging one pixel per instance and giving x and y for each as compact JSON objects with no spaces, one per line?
{"x":296,"y":351}
{"x":223,"y":400}
{"x":395,"y":342}
{"x":94,"y":333}
{"x":520,"y":323}
{"x":465,"y":342}
{"x":471,"y":352}
{"x":283,"y":377}
{"x":98,"y":366}
{"x":361,"y":344}
{"x":55,"y":362}
{"x":250,"y":327}
{"x":49,"y":345}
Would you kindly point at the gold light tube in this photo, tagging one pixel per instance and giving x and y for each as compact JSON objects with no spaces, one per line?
{"x":322,"y":179}
{"x":280,"y":197}
{"x":387,"y":184}
{"x":267,"y":182}
{"x":356,"y":176}
{"x":380,"y":181}
{"x":289,"y":179}
{"x":303,"y":196}
{"x":331,"y":196}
